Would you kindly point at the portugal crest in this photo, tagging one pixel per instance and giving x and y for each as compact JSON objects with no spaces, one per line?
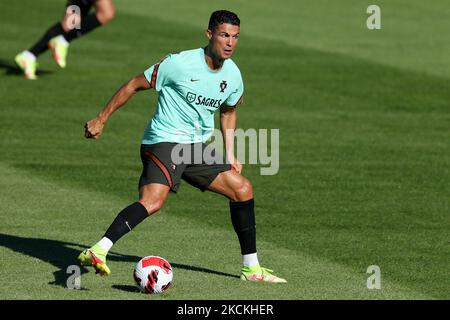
{"x":223,"y":86}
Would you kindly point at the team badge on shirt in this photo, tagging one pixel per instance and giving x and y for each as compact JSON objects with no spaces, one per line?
{"x":191,"y":97}
{"x":223,"y":85}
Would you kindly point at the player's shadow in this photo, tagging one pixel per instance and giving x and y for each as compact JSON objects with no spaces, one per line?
{"x":58,"y":253}
{"x":198,"y":269}
{"x":11,"y":69}
{"x":63,"y":254}
{"x":127,"y":288}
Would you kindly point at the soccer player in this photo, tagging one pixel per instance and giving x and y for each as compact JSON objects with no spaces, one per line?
{"x":192,"y":85}
{"x":63,"y":32}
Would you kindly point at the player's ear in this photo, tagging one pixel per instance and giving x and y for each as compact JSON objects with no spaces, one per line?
{"x":209,"y":34}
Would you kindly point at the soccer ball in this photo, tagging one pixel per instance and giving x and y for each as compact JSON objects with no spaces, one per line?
{"x":153,"y":274}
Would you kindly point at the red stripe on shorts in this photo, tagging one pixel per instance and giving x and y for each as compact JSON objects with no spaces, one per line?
{"x":161,"y":166}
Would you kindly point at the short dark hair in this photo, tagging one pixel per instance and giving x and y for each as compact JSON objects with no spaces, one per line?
{"x":223,"y":16}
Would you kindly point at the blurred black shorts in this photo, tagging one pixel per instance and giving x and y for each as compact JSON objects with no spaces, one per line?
{"x":158,"y":166}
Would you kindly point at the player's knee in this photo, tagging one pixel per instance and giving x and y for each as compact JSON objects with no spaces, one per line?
{"x":152,"y":205}
{"x":244,"y":192}
{"x":105,"y":16}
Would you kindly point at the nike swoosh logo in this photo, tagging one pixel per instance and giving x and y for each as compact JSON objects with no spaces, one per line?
{"x":194,"y":80}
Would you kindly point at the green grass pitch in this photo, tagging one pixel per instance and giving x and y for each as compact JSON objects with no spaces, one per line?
{"x":364,"y":122}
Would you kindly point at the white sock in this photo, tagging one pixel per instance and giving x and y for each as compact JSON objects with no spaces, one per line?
{"x":29,"y":54}
{"x":250,"y":260}
{"x":105,"y":244}
{"x":62,"y":40}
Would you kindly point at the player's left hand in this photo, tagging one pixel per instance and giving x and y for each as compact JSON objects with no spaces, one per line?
{"x":236,"y":165}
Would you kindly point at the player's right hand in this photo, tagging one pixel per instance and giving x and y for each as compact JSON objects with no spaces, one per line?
{"x":93,"y":128}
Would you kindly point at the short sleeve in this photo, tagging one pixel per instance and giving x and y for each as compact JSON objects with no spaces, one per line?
{"x":162,"y":73}
{"x":237,"y":95}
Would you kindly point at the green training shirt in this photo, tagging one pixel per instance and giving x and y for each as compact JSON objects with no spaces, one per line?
{"x":189,"y":94}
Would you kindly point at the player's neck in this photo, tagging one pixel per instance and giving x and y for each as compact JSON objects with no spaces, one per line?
{"x":212,"y":61}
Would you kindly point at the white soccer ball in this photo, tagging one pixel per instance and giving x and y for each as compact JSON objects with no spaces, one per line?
{"x":153,"y":274}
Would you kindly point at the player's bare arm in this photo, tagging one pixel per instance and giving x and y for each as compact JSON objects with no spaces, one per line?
{"x":228,"y":119}
{"x":94,"y":127}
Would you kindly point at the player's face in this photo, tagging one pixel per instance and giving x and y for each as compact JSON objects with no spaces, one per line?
{"x":223,"y":40}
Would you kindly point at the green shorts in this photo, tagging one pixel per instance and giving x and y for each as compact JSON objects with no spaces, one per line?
{"x":159,"y":167}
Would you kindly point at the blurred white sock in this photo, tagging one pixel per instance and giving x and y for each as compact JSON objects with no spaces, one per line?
{"x":29,"y":55}
{"x":62,"y":40}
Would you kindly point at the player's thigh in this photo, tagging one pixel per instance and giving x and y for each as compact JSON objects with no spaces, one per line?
{"x":158,"y":167}
{"x":232,"y":185}
{"x":202,"y":175}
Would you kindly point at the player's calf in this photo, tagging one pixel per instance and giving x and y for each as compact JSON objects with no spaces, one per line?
{"x":152,"y":198}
